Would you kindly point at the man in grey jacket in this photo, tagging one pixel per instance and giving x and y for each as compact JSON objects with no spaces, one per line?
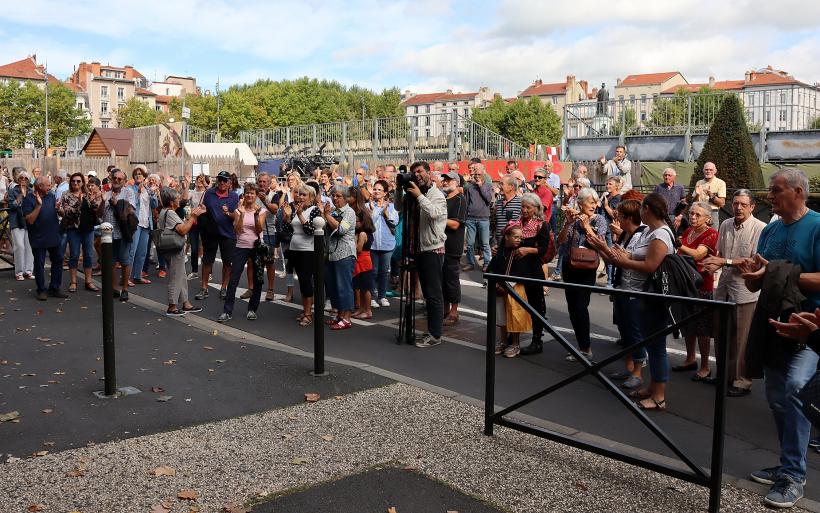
{"x":479,"y":194}
{"x":428,"y":248}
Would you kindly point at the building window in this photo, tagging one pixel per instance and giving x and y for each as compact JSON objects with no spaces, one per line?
{"x":782,"y":116}
{"x":621,"y":97}
{"x":466,"y":113}
{"x":768,"y":116}
{"x":643,"y":100}
{"x":415,"y":109}
{"x":751,"y":101}
{"x":120,"y":93}
{"x":104,"y":91}
{"x":782,"y":98}
{"x":632,"y":98}
{"x":426,"y":120}
{"x":427,"y":132}
{"x":466,"y":103}
{"x":120,"y":105}
{"x":104,"y":124}
{"x":643,"y":116}
{"x":103,"y":107}
{"x":80,"y":105}
{"x":168,"y":93}
{"x":555,"y":100}
{"x":158,"y":108}
{"x":427,"y":109}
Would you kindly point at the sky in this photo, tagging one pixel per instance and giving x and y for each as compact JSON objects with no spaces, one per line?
{"x":418,"y":45}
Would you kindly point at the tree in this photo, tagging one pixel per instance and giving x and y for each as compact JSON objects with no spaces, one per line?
{"x":22,"y":115}
{"x":524,"y":122}
{"x":629,"y":121}
{"x":137,"y":113}
{"x":815,"y":124}
{"x":730,"y":147}
{"x":685,"y":108}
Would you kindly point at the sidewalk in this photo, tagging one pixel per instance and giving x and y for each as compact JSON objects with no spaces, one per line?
{"x":270,"y":442}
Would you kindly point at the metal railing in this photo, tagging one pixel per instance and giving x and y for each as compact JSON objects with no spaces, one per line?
{"x":444,"y":136}
{"x":775,"y":110}
{"x":692,"y":472}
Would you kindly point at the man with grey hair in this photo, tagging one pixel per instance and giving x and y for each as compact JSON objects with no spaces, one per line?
{"x":711,"y":190}
{"x":673,"y":194}
{"x":619,"y":165}
{"x":114,"y":207}
{"x":507,"y":205}
{"x":60,"y":183}
{"x":40,"y":212}
{"x":737,"y":240}
{"x":479,"y":194}
{"x":774,"y":352}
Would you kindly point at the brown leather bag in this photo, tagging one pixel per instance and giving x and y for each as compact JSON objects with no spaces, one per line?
{"x":584,"y":259}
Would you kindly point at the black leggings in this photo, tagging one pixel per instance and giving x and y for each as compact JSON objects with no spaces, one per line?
{"x":302,"y":262}
{"x":578,"y":303}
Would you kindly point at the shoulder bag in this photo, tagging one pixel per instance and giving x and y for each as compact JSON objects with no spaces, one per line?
{"x":167,"y":240}
{"x":581,"y":258}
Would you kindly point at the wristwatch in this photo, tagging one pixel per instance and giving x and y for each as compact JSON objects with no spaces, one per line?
{"x":728,"y":263}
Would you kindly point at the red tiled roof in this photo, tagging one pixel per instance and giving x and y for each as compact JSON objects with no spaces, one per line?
{"x":144,"y":92}
{"x":537,"y":89}
{"x":647,"y":79}
{"x":423,"y":99}
{"x":117,"y":139}
{"x":77,"y":88}
{"x":722,"y":85}
{"x":161,"y":98}
{"x":25,"y":69}
{"x":760,"y":79}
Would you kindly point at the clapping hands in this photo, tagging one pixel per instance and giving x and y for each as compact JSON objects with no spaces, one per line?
{"x":799,"y":327}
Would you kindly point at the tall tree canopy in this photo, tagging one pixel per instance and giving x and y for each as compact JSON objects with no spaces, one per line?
{"x":524,"y":122}
{"x":137,"y":113}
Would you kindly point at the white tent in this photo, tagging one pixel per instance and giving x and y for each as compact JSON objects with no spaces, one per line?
{"x":199,"y":149}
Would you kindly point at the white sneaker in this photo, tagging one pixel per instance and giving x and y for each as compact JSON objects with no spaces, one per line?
{"x":193,"y":276}
{"x":328,"y":306}
{"x":384,"y":302}
{"x":374,"y":304}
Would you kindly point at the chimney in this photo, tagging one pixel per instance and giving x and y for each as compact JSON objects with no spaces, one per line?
{"x":748,"y":76}
{"x":584,"y":85}
{"x":617,"y":82}
{"x":449,"y":91}
{"x":712,"y":82}
{"x":538,"y":82}
{"x":594,"y":92}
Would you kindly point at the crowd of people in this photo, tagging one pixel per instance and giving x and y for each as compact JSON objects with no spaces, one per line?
{"x":446,"y":222}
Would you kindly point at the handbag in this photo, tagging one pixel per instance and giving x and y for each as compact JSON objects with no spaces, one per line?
{"x":809,"y":396}
{"x":266,"y":252}
{"x":582,"y":258}
{"x":167,"y":240}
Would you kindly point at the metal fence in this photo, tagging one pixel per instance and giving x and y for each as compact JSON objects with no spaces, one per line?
{"x":432,"y":136}
{"x":775,"y":110}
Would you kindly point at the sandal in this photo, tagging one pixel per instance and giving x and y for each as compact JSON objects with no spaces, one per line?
{"x":640,"y":394}
{"x":654,"y":405}
{"x":341,"y":324}
{"x":307,"y":320}
{"x":92,"y":287}
{"x":701,"y":379}
{"x":300,"y":316}
{"x":363,"y":316}
{"x":72,"y":288}
{"x":332,"y":321}
{"x":685,"y":367}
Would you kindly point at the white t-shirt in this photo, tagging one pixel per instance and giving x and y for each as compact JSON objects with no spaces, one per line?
{"x":300,"y":240}
{"x":632,"y":279}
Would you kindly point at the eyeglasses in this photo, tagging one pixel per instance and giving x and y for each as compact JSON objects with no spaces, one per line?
{"x":576,"y":187}
{"x":539,"y":177}
{"x":118,"y":179}
{"x":76,"y":181}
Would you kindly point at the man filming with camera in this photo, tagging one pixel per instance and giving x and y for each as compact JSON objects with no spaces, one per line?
{"x":427,"y":245}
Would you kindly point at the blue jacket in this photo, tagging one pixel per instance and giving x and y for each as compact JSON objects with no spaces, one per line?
{"x":383,"y":239}
{"x":16,"y":219}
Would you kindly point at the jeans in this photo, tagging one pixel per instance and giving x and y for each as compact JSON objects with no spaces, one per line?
{"x":610,"y":269}
{"x":339,"y":283}
{"x":578,"y":304}
{"x":193,"y":240}
{"x":240,"y":258}
{"x":654,"y":318}
{"x":63,"y":244}
{"x":76,"y":240}
{"x":40,"y":268}
{"x":482,"y":226}
{"x":793,"y":429}
{"x":429,"y":266}
{"x":628,"y":312}
{"x":381,"y":270}
{"x":139,"y":251}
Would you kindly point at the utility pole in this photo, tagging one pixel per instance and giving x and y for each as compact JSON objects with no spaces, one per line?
{"x":46,"y":142}
{"x":218,"y":137}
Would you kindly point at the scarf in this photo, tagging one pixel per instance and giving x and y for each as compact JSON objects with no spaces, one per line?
{"x":528,"y":230}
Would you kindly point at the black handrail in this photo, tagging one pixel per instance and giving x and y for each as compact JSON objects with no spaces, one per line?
{"x":697,"y":475}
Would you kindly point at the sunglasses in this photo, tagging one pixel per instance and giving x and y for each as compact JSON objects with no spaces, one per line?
{"x":76,"y":181}
{"x":118,"y":179}
{"x":576,"y":186}
{"x":539,"y":177}
{"x":220,"y":179}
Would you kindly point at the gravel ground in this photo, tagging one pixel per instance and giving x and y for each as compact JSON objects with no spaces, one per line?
{"x":241,"y":459}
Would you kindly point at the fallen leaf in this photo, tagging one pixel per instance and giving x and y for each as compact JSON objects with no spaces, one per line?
{"x":28,"y":374}
{"x":44,"y":339}
{"x":12,"y":459}
{"x":40,"y":454}
{"x":157,"y":390}
{"x":410,"y":468}
{"x":53,"y":381}
{"x":188,"y":495}
{"x":327,"y":438}
{"x":451,"y":511}
{"x":59,"y":373}
{"x":286,"y":436}
{"x":581,"y":486}
{"x":293,"y":417}
{"x":299,"y":461}
{"x":83,"y":308}
{"x":235,"y":508}
{"x":211,"y":370}
{"x":59,"y":310}
{"x":312,"y":397}
{"x":170,"y":362}
{"x":193,"y":508}
{"x":48,"y":444}
{"x":48,"y":410}
{"x":35,"y":507}
{"x":4,"y":417}
{"x":75,"y":473}
{"x":164,"y":398}
{"x":338,"y":397}
{"x":216,"y":333}
{"x":39,"y":311}
{"x":163,"y":471}
{"x":160,"y":508}
{"x":208,"y":348}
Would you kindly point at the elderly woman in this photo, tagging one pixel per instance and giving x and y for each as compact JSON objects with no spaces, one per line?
{"x":283,"y":232}
{"x":147,"y":201}
{"x":298,"y":218}
{"x":609,"y":203}
{"x":655,"y":243}
{"x":175,"y":260}
{"x":535,"y":238}
{"x":23,"y":256}
{"x":78,"y":207}
{"x":248,"y":224}
{"x":570,"y":202}
{"x":341,"y":225}
{"x":385,"y":219}
{"x":698,"y":242}
{"x":581,"y":263}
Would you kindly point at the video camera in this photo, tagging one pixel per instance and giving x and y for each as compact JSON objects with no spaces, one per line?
{"x":404,"y":178}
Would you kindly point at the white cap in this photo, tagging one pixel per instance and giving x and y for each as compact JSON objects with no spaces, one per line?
{"x":92,"y":173}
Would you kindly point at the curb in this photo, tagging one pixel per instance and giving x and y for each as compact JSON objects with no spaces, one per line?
{"x":238,"y":335}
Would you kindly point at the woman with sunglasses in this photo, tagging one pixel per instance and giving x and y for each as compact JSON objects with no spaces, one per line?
{"x":78,"y":208}
{"x":23,"y":256}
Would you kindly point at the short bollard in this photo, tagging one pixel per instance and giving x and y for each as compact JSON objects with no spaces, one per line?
{"x":107,"y":266}
{"x":319,"y":298}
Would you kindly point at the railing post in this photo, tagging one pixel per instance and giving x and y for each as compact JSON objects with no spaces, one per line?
{"x":344,"y":141}
{"x":451,"y":140}
{"x":622,"y":135}
{"x":107,"y":265}
{"x":375,"y":134}
{"x":319,"y":298}
{"x":687,"y":138}
{"x":411,"y":139}
{"x":726,"y":321}
{"x":489,"y":378}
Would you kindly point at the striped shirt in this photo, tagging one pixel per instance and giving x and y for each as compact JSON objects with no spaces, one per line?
{"x":506,"y":211}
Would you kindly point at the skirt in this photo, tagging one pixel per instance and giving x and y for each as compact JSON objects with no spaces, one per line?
{"x":510,"y":314}
{"x":703,"y":325}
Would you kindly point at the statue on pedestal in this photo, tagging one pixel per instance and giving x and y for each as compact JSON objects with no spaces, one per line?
{"x":603,"y":98}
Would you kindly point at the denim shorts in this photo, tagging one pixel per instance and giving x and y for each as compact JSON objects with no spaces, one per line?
{"x":122,"y":251}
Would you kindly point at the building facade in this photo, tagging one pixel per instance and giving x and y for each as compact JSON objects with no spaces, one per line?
{"x":558,"y":94}
{"x":431,"y":112}
{"x":26,"y":70}
{"x":103,"y":89}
